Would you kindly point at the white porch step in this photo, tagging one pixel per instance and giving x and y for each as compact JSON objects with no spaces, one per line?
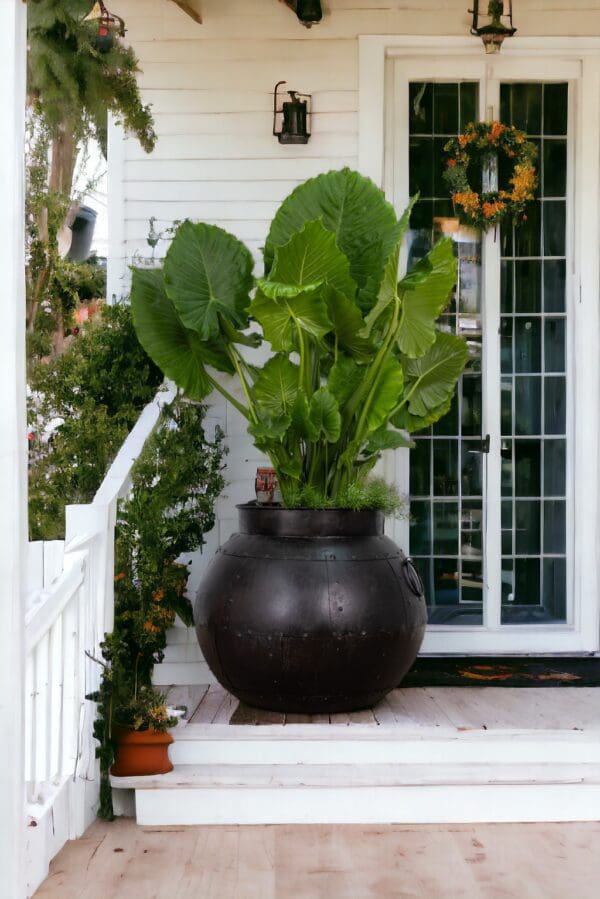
{"x":289,"y":774}
{"x":296,"y":794}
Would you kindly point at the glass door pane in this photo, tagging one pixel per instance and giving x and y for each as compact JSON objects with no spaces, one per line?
{"x":533,"y":369}
{"x":446,"y":476}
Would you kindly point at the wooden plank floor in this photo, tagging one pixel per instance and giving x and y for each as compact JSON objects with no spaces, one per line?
{"x":121,"y":860}
{"x":464,"y":708}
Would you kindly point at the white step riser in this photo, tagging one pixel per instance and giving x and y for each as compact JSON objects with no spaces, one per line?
{"x":329,"y":752}
{"x":369,"y":805}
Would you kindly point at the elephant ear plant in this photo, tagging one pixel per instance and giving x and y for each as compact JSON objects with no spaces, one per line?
{"x":356,"y":362}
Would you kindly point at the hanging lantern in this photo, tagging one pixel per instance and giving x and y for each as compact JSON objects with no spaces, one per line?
{"x":295,"y":117}
{"x":109,"y":25}
{"x":494,"y":33}
{"x":309,"y":12}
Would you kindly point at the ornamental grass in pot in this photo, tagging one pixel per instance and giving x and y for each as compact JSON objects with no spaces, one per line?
{"x":310,"y":608}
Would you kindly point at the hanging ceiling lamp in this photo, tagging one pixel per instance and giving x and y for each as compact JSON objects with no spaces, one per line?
{"x":495,"y":31}
{"x":309,"y":12}
{"x":109,"y":25}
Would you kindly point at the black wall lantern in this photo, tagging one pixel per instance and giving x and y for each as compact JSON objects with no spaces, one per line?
{"x":309,"y":12}
{"x":295,"y":117}
{"x":493,"y":33}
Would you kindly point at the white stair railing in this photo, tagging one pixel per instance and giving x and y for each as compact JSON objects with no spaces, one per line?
{"x":66,"y":621}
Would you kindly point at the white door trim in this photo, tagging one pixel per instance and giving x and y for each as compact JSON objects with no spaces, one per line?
{"x":575,"y":60}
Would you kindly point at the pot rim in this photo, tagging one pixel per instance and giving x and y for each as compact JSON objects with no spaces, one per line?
{"x":276,"y":521}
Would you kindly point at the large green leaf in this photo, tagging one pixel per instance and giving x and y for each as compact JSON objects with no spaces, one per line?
{"x":208,"y":272}
{"x":348,"y":324}
{"x":276,"y":386}
{"x":301,"y":419}
{"x":411,"y":423}
{"x":269,"y":429}
{"x":388,"y":394}
{"x":312,"y":256}
{"x":425,"y":293}
{"x":385,"y":439}
{"x":355,"y":210}
{"x":280,"y":318}
{"x":431,"y":380}
{"x":344,"y":379}
{"x":325,"y":414}
{"x":175,"y":349}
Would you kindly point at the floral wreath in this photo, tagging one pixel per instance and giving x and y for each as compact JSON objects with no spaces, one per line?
{"x":469,"y":153}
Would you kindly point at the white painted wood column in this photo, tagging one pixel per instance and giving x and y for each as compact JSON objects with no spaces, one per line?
{"x":13,"y":458}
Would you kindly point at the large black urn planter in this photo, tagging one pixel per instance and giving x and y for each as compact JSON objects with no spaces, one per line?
{"x":310,"y":611}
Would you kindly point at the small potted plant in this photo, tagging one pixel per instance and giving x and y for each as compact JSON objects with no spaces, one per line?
{"x":140,"y":729}
{"x":311,"y":608}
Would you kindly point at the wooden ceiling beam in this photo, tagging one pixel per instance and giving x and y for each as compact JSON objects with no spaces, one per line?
{"x":190,"y":8}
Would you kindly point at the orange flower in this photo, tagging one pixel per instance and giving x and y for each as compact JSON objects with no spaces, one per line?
{"x":119,"y":576}
{"x":491,"y":209}
{"x":468,"y":199}
{"x":151,"y":628}
{"x":452,"y":163}
{"x":496,"y":131}
{"x":157,"y":595}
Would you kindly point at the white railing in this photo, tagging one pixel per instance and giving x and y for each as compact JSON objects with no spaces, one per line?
{"x":66,"y":620}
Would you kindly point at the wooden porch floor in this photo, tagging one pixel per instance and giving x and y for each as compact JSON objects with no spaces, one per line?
{"x":493,"y":861}
{"x":453,"y":708}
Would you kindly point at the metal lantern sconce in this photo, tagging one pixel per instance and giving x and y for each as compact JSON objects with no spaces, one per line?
{"x":296,"y":115}
{"x":109,"y":25}
{"x":494,"y":33}
{"x":309,"y":12}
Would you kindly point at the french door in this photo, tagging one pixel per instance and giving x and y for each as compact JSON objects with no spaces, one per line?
{"x":492,"y":486}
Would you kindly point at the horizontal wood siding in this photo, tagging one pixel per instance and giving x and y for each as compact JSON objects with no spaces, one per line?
{"x":216,"y":159}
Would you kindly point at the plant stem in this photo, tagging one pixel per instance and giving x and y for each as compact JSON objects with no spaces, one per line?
{"x":231,"y":352}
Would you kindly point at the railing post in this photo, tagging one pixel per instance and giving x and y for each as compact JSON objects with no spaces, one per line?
{"x":13,"y":446}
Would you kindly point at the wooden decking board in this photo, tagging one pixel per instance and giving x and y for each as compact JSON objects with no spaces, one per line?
{"x":483,"y":861}
{"x":485,"y":708}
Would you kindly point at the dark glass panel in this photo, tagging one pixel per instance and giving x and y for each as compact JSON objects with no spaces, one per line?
{"x":445,"y":578}
{"x":506,"y":468}
{"x":555,"y":168}
{"x":554,"y":344}
{"x":449,"y":423}
{"x":554,"y":285}
{"x":506,"y":286}
{"x":527,"y":536}
{"x":419,"y":237}
{"x":420,"y":101}
{"x":556,"y":108}
{"x":528,"y":396}
{"x":555,"y":406}
{"x":528,"y":480}
{"x":420,"y":528}
{"x":507,"y":543}
{"x":555,"y":588}
{"x":508,"y":588}
{"x":506,"y":344}
{"x":440,"y":186}
{"x":445,"y":109}
{"x":528,"y":237}
{"x":527,"y":581}
{"x":555,"y":526}
{"x":507,"y":514}
{"x":555,"y":212}
{"x":471,"y":406}
{"x":528,"y":286}
{"x":506,"y":394}
{"x":423,"y":566}
{"x":521,"y":106}
{"x":445,"y":467}
{"x":472,"y":582}
{"x":420,"y":168}
{"x":420,"y":464}
{"x":528,"y":345}
{"x":555,"y":462}
{"x":445,"y":529}
{"x":469,"y":101}
{"x":471,"y":484}
{"x":507,"y":243}
{"x":443,"y":208}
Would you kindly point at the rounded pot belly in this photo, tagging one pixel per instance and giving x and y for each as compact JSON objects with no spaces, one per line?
{"x":310,"y":624}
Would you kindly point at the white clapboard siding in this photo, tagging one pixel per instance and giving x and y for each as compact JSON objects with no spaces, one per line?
{"x":189,"y":99}
{"x":291,"y":161}
{"x":174,"y":148}
{"x":241,"y":124}
{"x":223,"y":192}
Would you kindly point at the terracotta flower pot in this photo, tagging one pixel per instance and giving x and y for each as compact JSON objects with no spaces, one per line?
{"x":141,"y":752}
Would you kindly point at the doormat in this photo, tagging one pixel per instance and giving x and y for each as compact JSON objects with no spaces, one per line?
{"x":504,"y":671}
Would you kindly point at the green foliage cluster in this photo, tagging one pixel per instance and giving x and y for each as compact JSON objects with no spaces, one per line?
{"x":97,"y":388}
{"x":176,"y":482}
{"x":74,"y":81}
{"x":357,"y":361}
{"x":372,"y":493}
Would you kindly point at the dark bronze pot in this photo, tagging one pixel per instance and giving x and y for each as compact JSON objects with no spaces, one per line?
{"x":310,"y":611}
